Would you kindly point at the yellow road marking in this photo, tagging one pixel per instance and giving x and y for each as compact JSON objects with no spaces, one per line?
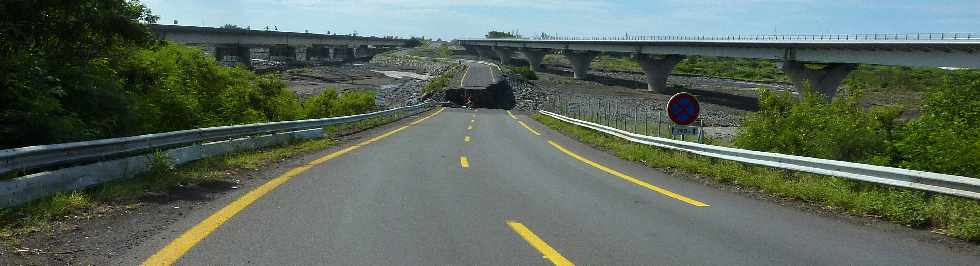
{"x":511,"y":115}
{"x":631,"y":179}
{"x":465,"y":163}
{"x":467,"y":71}
{"x":470,"y":127}
{"x":528,"y":128}
{"x":466,"y":139}
{"x":536,"y":242}
{"x":427,"y":117}
{"x":492,"y":77}
{"x":183,"y":243}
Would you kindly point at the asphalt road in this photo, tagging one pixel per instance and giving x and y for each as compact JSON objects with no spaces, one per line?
{"x":479,"y":76}
{"x":407,"y":199}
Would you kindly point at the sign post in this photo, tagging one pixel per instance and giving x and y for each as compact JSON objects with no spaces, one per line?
{"x":683,"y":109}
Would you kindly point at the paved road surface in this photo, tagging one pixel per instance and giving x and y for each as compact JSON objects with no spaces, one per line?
{"x":408,"y":200}
{"x":479,"y":76}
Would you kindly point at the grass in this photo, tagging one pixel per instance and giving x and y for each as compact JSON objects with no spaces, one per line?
{"x":953,"y":216}
{"x":47,"y":213}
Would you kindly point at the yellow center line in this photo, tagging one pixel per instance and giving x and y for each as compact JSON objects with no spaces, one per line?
{"x":465,"y":163}
{"x":183,"y":243}
{"x":528,"y":128}
{"x":492,"y":77}
{"x":467,"y":71}
{"x":536,"y":242}
{"x":466,"y":139}
{"x":511,"y":115}
{"x":631,"y":179}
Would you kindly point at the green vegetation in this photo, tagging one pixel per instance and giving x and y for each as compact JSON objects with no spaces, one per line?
{"x":733,"y":68}
{"x":524,"y":71}
{"x":957,"y":217}
{"x":502,"y":35}
{"x":438,"y":83}
{"x":945,"y":139}
{"x":330,"y":104}
{"x":429,"y":49}
{"x":92,"y":70}
{"x":841,"y":130}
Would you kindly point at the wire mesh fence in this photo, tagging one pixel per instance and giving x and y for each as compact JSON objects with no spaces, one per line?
{"x":636,"y":115}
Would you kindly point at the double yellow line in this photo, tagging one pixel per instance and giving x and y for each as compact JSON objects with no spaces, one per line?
{"x":183,"y":243}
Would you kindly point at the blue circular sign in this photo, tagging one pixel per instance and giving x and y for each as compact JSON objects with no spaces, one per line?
{"x":683,"y":108}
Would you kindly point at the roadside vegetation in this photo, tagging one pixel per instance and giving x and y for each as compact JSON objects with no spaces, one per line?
{"x":944,"y":138}
{"x":92,"y":69}
{"x":438,"y":83}
{"x":954,"y":216}
{"x":63,"y":81}
{"x":524,"y":71}
{"x":428,"y":48}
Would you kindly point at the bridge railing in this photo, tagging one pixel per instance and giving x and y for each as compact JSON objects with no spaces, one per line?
{"x":934,"y":36}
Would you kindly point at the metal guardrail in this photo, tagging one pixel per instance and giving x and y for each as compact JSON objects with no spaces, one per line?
{"x":926,"y":36}
{"x":927,"y":181}
{"x":34,"y":157}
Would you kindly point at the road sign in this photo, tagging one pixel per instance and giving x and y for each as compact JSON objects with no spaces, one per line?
{"x":678,"y":130}
{"x":683,"y":108}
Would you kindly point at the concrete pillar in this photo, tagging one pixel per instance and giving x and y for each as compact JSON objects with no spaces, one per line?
{"x":504,"y":54}
{"x":470,"y":49}
{"x":580,"y":63}
{"x":301,"y":53}
{"x":534,"y":57}
{"x":484,"y":52}
{"x":657,"y":69}
{"x":825,"y":80}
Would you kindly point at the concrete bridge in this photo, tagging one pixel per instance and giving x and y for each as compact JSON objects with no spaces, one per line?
{"x":241,"y":45}
{"x":838,"y":54}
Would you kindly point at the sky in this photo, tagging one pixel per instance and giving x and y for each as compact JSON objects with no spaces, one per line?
{"x":449,"y":19}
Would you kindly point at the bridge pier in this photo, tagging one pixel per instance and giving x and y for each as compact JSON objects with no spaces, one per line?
{"x":470,"y":49}
{"x":580,"y":62}
{"x":504,"y":54}
{"x":484,"y":51}
{"x":282,"y":53}
{"x":825,"y":80}
{"x":657,"y":69}
{"x":227,"y":54}
{"x":534,"y":57}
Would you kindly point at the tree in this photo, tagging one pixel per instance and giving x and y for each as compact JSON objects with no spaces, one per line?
{"x":56,"y":60}
{"x":232,"y":27}
{"x":501,"y":35}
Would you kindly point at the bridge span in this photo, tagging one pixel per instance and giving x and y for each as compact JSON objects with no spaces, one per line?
{"x":242,"y":45}
{"x":839,"y":54}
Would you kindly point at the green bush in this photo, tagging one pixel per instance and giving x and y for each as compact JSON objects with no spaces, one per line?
{"x":840,"y":130}
{"x":946,"y":138}
{"x":525,"y":72}
{"x":330,"y":104}
{"x":437,"y":83}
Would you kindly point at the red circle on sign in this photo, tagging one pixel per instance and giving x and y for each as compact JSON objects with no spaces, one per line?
{"x":683,"y":108}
